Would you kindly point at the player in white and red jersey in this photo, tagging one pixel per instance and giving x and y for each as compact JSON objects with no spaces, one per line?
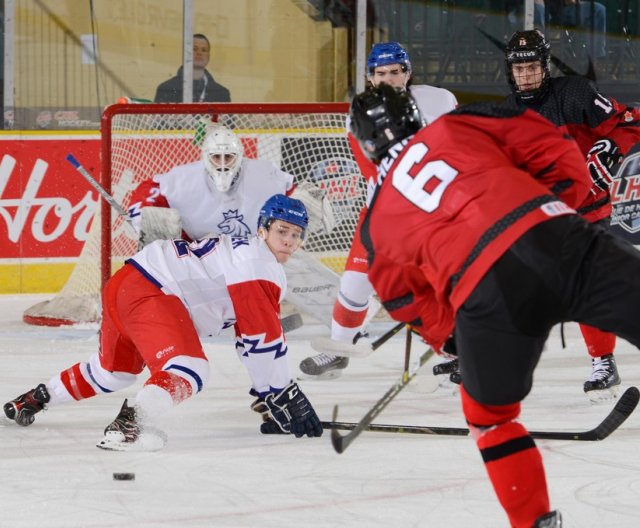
{"x":219,"y":194}
{"x":156,"y":307}
{"x":485,"y":239}
{"x":388,"y":63}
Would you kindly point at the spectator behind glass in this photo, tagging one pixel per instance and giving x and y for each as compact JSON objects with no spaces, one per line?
{"x":205,"y":88}
{"x":570,"y":12}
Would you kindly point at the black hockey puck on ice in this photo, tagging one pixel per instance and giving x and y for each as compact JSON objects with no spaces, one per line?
{"x":124,"y":476}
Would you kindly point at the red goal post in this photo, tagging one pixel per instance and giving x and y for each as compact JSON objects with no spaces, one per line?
{"x":307,"y":140}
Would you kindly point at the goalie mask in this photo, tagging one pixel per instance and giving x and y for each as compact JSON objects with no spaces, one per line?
{"x":528,"y":46}
{"x":281,"y":207}
{"x":381,"y":117}
{"x":222,"y":154}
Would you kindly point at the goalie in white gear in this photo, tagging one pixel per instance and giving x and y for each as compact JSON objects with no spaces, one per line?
{"x":221,"y":193}
{"x":389,"y":63}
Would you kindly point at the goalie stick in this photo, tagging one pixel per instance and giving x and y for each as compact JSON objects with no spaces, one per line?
{"x":620,"y":412}
{"x":101,"y":190}
{"x":341,"y":442}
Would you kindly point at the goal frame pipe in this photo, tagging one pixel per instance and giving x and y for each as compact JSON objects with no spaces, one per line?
{"x":213,"y":109}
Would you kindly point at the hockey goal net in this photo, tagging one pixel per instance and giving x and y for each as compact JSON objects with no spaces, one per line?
{"x":141,"y":140}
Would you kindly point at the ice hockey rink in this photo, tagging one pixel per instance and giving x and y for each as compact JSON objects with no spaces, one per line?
{"x":217,"y":470}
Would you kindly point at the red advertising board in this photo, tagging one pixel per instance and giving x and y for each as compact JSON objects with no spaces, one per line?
{"x":46,"y":207}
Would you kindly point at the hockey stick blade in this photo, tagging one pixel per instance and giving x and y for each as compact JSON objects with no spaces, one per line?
{"x":291,"y":322}
{"x":341,"y":442}
{"x":359,"y":350}
{"x":620,"y":412}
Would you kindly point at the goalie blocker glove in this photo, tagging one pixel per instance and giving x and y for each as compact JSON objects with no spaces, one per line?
{"x":292,"y":413}
{"x":603,"y":157}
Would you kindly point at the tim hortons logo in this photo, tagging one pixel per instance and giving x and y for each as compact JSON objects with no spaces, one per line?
{"x":50,"y":217}
{"x":625,"y":194}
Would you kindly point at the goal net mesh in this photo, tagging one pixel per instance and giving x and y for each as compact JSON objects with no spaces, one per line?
{"x":140,"y":141}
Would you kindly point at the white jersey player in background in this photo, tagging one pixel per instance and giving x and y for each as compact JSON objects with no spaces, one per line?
{"x":388,"y":63}
{"x":156,"y":307}
{"x":219,"y":194}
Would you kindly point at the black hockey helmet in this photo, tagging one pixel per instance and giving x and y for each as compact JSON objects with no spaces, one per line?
{"x":528,"y":46}
{"x":382,"y":116}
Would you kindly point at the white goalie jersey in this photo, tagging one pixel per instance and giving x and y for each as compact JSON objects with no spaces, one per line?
{"x":204,"y":210}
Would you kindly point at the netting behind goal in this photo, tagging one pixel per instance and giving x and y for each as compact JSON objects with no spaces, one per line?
{"x":141,"y":140}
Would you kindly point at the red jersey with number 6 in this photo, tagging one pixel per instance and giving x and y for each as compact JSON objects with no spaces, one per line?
{"x":455,"y":197}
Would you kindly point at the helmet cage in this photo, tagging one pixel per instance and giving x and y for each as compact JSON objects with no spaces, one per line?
{"x":528,"y":46}
{"x":222,"y":154}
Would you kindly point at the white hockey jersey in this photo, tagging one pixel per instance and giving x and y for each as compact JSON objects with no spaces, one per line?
{"x":205,"y":211}
{"x":222,"y":282}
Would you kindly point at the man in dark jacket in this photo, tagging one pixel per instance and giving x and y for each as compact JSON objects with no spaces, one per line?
{"x":205,"y":88}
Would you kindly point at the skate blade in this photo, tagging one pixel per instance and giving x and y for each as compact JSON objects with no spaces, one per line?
{"x":147,"y":441}
{"x":597,"y":397}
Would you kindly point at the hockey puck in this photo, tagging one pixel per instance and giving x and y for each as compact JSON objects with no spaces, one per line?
{"x":124,"y":476}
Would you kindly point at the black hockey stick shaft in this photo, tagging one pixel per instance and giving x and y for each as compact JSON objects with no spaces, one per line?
{"x":620,"y":412}
{"x":341,"y":442}
{"x":385,"y":337}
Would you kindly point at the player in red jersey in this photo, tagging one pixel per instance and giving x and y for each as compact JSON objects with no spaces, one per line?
{"x":604,"y":130}
{"x":156,"y":307}
{"x":388,"y":62}
{"x":485,"y":241}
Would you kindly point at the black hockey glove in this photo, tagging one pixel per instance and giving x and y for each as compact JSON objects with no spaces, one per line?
{"x":293,"y":413}
{"x":601,"y":159}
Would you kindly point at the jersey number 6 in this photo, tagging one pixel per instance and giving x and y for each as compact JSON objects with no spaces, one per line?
{"x":423,"y":184}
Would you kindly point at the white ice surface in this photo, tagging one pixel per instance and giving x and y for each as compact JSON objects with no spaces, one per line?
{"x":219,"y":471}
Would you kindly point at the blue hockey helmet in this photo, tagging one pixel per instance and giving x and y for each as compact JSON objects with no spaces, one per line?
{"x":281,"y":207}
{"x":384,"y":53}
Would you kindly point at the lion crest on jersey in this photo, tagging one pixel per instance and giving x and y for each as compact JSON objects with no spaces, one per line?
{"x":233,"y":224}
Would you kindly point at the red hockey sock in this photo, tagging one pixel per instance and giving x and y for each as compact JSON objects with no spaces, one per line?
{"x":598,"y":343}
{"x":511,"y":458}
{"x":76,"y":385}
{"x":516,"y":471}
{"x":179,"y":388}
{"x":348,"y":318}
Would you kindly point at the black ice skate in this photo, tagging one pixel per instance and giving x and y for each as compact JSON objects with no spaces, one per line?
{"x":603,"y":385}
{"x":122,"y":431}
{"x":449,"y":367}
{"x":24,"y":407}
{"x":549,"y":520}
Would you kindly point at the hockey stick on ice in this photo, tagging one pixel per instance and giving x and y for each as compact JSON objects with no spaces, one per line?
{"x":620,"y":412}
{"x":358,"y":350}
{"x":341,"y":442}
{"x":291,"y":322}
